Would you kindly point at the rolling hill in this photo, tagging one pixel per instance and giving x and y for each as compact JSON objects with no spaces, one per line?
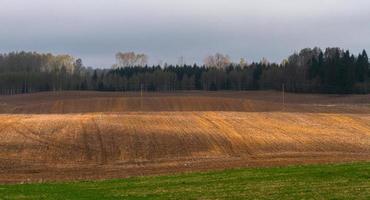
{"x":93,"y":135}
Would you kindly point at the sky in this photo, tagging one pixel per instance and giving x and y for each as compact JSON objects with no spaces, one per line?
{"x":95,"y":30}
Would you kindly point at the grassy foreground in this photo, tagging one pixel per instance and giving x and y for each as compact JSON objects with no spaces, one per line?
{"x":340,"y":181}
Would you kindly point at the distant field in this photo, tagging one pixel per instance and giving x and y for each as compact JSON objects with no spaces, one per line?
{"x":97,"y":135}
{"x":243,"y":101}
{"x":340,"y":181}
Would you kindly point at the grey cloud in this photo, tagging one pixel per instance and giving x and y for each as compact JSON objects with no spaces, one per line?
{"x":165,"y":29}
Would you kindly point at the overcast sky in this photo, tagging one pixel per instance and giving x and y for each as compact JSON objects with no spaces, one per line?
{"x":95,"y":30}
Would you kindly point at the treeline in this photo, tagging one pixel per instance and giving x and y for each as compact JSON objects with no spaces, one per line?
{"x":24,"y":72}
{"x":311,"y":70}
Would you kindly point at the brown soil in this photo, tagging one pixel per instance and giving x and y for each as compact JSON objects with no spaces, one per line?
{"x":92,"y":135}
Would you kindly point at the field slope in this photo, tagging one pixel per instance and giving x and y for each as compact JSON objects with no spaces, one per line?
{"x":93,"y":135}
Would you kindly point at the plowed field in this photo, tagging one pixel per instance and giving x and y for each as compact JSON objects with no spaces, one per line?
{"x":92,"y":135}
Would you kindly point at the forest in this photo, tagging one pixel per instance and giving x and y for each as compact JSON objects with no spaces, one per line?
{"x":312,"y":70}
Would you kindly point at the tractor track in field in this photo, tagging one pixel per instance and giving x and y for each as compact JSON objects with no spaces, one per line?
{"x":85,"y":140}
{"x":34,"y":136}
{"x":102,"y":149}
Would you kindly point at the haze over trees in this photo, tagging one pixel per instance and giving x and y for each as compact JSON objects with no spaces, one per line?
{"x":332,"y":70}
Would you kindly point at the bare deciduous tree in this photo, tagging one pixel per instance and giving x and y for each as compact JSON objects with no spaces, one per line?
{"x":218,"y":61}
{"x":181,"y":61}
{"x":243,"y":63}
{"x":125,"y":59}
